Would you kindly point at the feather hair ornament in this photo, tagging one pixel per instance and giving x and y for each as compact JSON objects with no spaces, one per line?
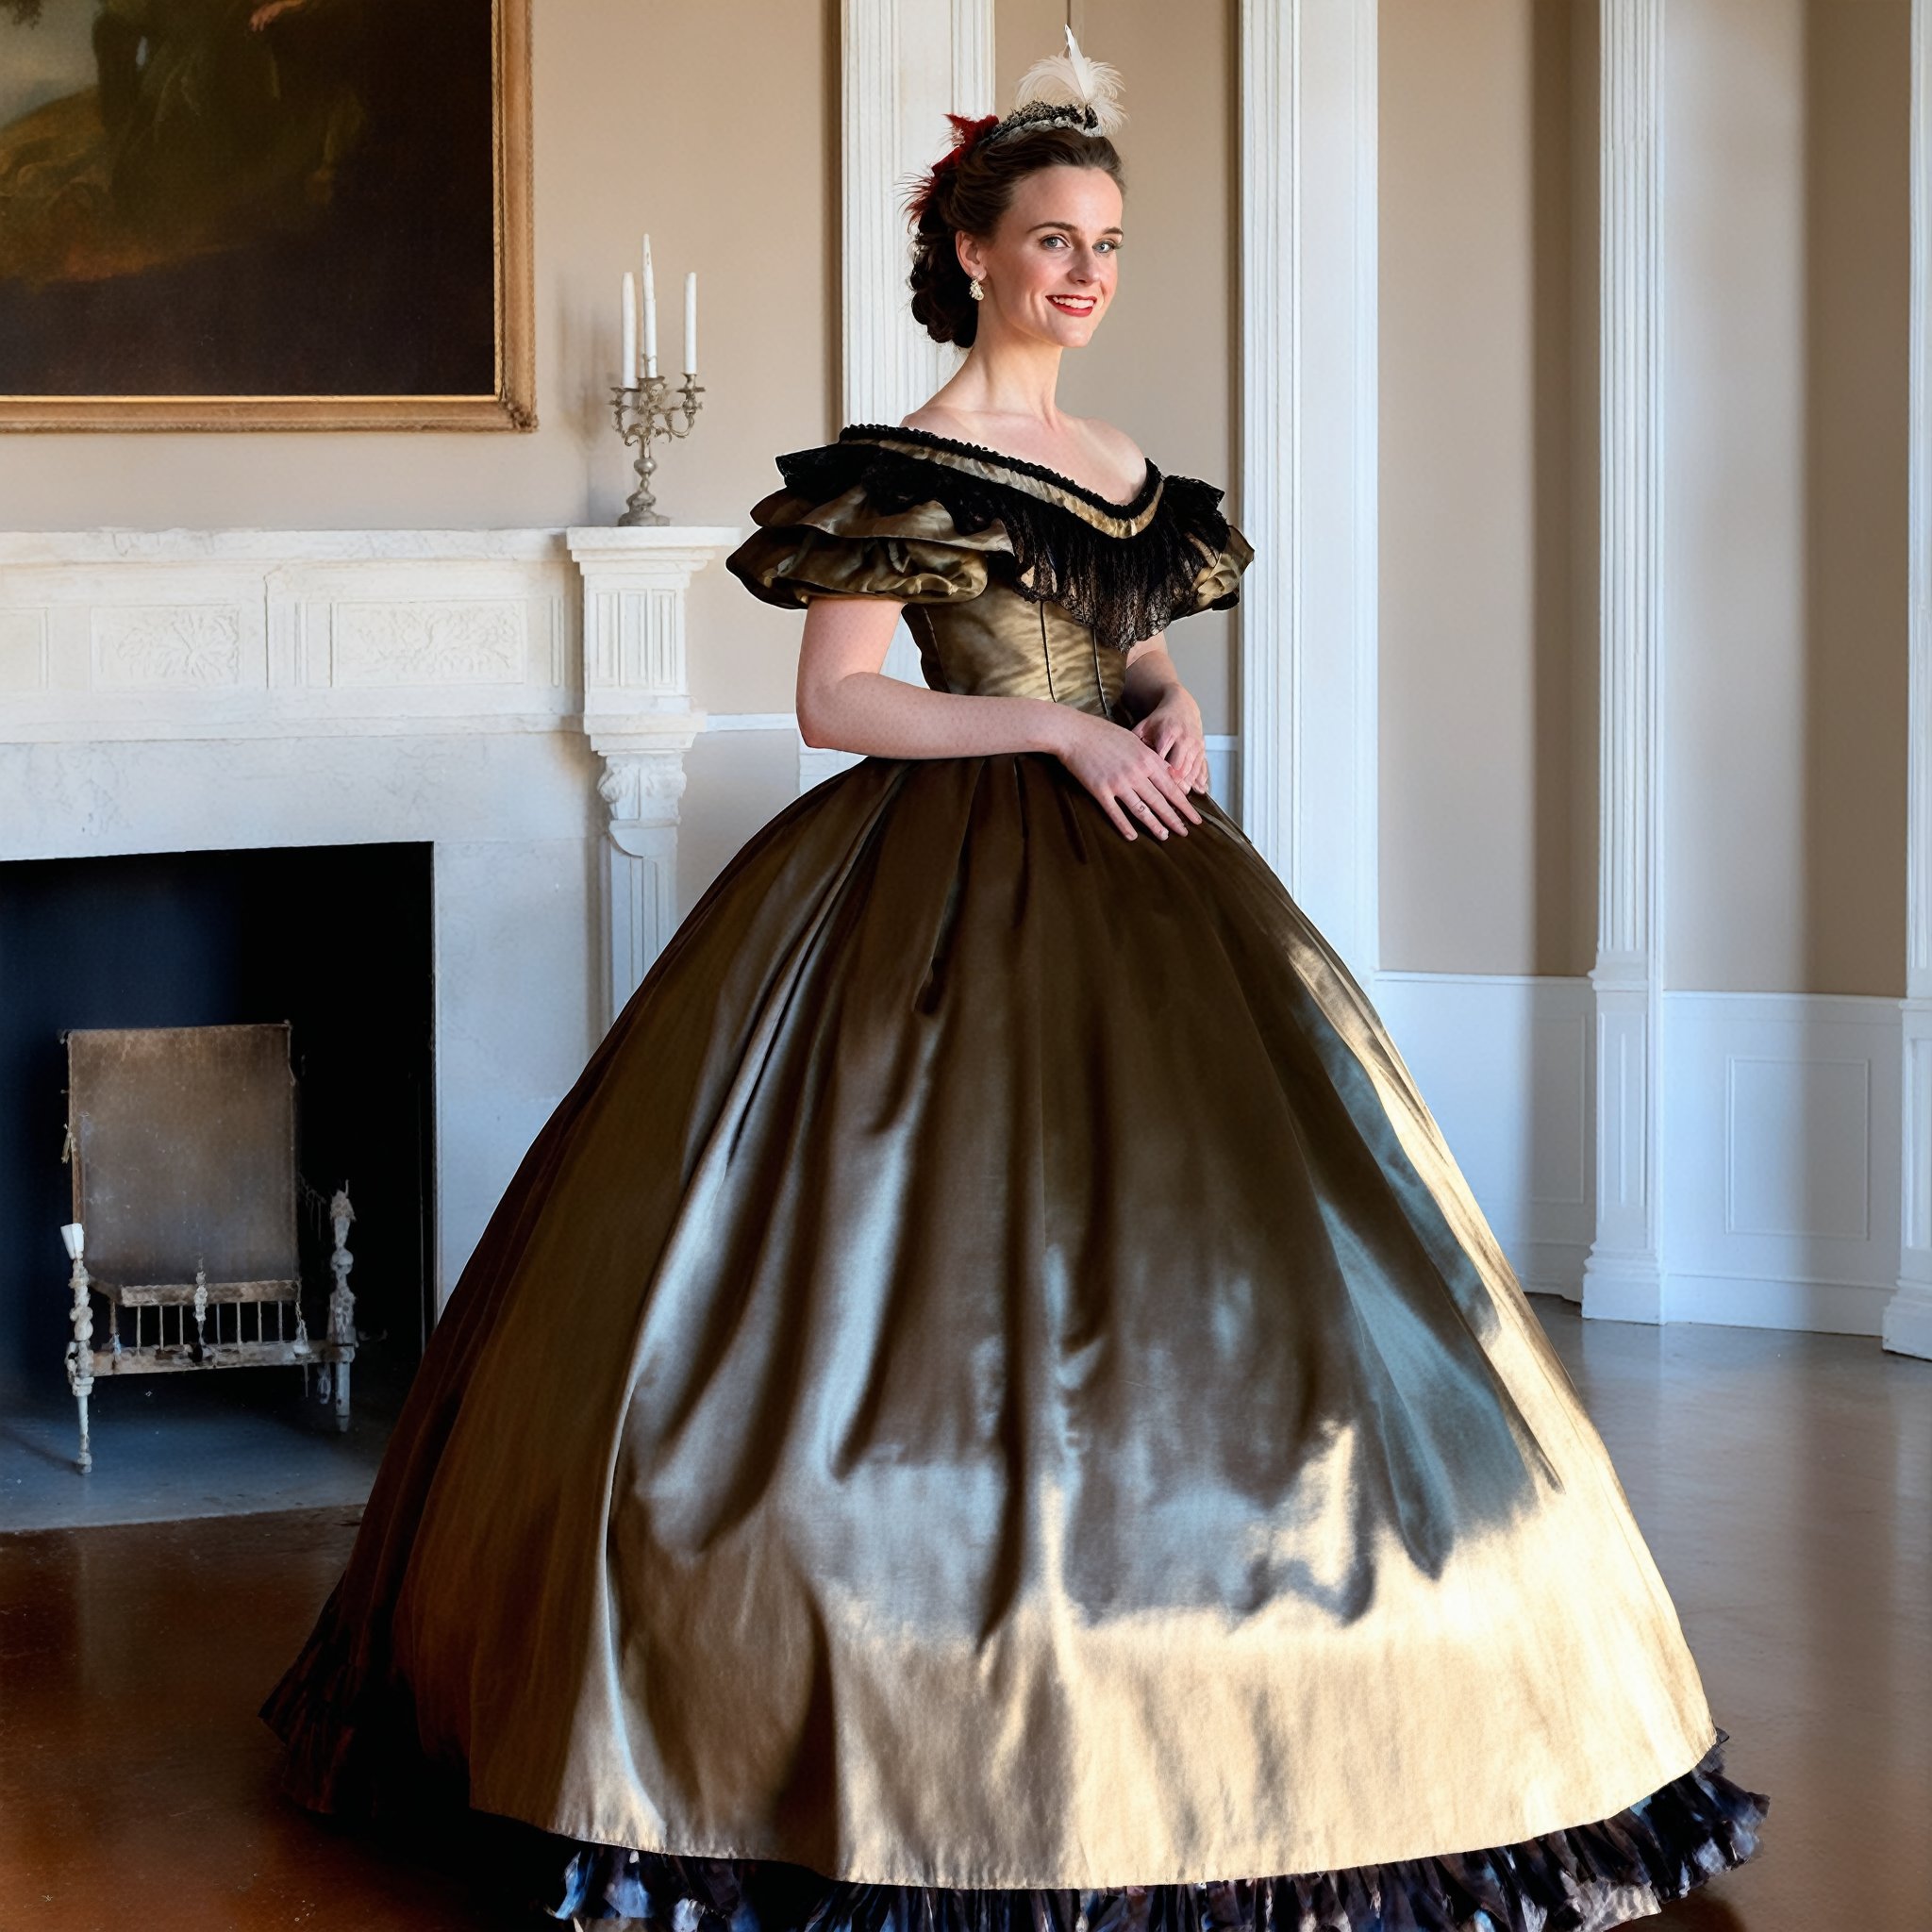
{"x":966,"y":132}
{"x":1062,"y":90}
{"x":1071,"y":80}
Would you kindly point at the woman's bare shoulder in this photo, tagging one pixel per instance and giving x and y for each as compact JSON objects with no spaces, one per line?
{"x":940,"y":421}
{"x":1115,"y":442}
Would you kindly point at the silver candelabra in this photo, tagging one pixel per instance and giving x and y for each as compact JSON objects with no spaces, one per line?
{"x":643,"y":411}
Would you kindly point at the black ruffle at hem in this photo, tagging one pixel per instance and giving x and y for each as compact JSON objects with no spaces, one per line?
{"x":1582,"y":1879}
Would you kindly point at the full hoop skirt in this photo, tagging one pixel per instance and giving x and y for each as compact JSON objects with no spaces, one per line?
{"x":992,"y":1390}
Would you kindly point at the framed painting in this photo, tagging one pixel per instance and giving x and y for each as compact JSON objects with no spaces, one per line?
{"x":265,"y":214}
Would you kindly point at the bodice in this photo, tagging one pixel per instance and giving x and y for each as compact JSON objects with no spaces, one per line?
{"x":1016,"y":581}
{"x":1003,"y":644}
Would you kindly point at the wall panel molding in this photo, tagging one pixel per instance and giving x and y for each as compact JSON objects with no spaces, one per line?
{"x":1781,"y":1116}
{"x":1781,"y":1120}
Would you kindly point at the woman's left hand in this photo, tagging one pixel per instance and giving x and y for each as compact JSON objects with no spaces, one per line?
{"x":1173,"y":728}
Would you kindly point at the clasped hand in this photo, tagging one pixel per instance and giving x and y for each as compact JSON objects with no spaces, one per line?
{"x":1141,"y":777}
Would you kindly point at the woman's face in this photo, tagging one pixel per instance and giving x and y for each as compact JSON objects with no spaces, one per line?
{"x":1049,"y":268}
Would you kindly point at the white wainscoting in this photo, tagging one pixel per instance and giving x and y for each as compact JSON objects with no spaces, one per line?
{"x":1506,"y":1064}
{"x":1779,"y":1192}
{"x":1781,"y":1159}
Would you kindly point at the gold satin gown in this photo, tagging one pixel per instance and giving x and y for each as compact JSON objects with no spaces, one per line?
{"x":991,"y":1404}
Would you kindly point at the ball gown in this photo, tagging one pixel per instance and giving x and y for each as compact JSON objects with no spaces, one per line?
{"x":991,"y":1404}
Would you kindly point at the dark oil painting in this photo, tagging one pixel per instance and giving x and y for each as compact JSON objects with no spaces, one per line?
{"x":240,"y":212}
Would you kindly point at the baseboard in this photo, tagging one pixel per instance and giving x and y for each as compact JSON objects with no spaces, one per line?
{"x":1747,"y":1300}
{"x":1908,"y":1329}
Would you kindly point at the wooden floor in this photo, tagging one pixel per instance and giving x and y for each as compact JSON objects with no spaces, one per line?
{"x":1785,"y":1484}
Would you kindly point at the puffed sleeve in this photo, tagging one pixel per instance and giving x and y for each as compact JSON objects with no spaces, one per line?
{"x":849,"y":547}
{"x":1218,"y":582}
{"x":1217,"y":553}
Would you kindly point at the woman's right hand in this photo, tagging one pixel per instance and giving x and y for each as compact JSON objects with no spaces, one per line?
{"x":1132,"y":783}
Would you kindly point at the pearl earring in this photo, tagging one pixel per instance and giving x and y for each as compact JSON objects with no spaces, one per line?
{"x":974,"y":288}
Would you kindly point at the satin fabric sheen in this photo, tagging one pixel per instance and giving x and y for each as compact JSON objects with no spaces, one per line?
{"x":994,"y":1379}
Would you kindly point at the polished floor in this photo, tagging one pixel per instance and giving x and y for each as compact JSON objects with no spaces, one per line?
{"x":1784,"y":1482}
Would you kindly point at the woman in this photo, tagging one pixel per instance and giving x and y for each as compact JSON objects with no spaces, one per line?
{"x":990,"y":1403}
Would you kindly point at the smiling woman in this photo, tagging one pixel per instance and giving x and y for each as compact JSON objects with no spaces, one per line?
{"x":960,"y":214}
{"x":992,"y":1407}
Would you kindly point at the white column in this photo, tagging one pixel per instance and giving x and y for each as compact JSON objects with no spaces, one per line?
{"x":1908,"y":1315}
{"x":1623,"y":1278}
{"x":639,"y":718}
{"x":1309,"y":457}
{"x":905,"y":65}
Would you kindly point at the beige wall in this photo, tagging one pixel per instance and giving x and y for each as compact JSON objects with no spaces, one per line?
{"x":1488,"y":771}
{"x":1787,"y":212}
{"x":746,"y":196}
{"x":1787,"y":230}
{"x":1787,"y":215}
{"x":1164,"y":365}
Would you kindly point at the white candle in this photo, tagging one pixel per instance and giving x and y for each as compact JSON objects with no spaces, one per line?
{"x":690,"y":321}
{"x":650,"y":313}
{"x":627,"y":368}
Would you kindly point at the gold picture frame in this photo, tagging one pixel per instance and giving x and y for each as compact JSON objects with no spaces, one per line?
{"x":509,"y":400}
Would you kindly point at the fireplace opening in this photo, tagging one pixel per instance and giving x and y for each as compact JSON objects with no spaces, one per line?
{"x":337,"y":942}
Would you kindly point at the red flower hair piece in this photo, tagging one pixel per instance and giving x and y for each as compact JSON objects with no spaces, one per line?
{"x":967,"y":134}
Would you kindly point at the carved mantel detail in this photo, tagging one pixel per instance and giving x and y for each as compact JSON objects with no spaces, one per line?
{"x":642,"y":788}
{"x":639,"y":719}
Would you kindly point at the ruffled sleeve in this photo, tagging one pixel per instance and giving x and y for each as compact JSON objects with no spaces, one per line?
{"x":1222,"y":553}
{"x":850,"y":546}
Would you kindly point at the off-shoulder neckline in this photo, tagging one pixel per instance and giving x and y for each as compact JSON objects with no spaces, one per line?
{"x":1150,"y":485}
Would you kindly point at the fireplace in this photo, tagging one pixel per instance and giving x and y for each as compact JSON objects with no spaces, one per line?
{"x":494,"y":720}
{"x":511,"y":705}
{"x":209,"y":938}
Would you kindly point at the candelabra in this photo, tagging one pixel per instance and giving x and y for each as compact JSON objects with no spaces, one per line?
{"x":643,"y":411}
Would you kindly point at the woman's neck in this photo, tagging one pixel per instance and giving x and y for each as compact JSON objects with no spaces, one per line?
{"x":1006,"y":381}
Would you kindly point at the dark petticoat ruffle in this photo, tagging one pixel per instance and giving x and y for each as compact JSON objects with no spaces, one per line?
{"x":1582,"y":1879}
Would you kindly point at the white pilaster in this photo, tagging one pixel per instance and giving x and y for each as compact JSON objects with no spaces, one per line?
{"x":905,"y":65}
{"x":1624,"y":1276}
{"x":639,"y":718}
{"x":1909,"y":1316}
{"x":1308,"y":458}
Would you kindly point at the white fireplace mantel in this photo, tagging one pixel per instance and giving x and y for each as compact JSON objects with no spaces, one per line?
{"x":519,"y":699}
{"x":637,"y":715}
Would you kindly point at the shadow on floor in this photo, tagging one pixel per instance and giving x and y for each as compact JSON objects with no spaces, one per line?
{"x":167,"y":1447}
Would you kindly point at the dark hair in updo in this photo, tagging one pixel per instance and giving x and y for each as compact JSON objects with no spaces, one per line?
{"x":969,"y":198}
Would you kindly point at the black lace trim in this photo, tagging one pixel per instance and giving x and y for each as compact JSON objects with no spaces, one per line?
{"x":1583,"y":1879}
{"x":868,"y":433}
{"x":1121,"y":587}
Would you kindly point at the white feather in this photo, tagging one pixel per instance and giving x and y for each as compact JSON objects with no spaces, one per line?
{"x":1071,"y":79}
